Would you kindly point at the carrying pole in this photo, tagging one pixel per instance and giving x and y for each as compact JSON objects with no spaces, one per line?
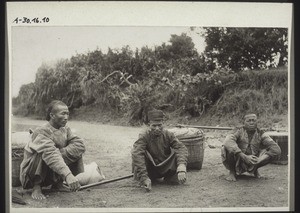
{"x":224,"y":128}
{"x":205,"y":127}
{"x":104,"y":182}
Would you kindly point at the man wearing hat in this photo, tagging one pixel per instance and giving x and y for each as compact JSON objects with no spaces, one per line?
{"x":248,"y":148}
{"x":158,"y":155}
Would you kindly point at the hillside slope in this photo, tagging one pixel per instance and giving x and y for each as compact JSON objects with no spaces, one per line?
{"x":262,"y":92}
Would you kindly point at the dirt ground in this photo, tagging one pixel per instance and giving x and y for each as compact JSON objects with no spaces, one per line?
{"x":110,"y":147}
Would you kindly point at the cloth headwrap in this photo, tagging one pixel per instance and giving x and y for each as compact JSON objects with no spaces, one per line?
{"x":156,"y":115}
{"x":249,"y":115}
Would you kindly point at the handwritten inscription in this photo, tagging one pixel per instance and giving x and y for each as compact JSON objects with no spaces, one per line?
{"x":25,"y":20}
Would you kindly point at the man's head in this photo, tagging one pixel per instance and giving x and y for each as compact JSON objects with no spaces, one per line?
{"x":156,"y":118}
{"x":57,"y":114}
{"x":250,"y":121}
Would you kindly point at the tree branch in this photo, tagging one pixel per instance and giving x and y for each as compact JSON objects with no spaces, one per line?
{"x":72,"y":100}
{"x":125,"y":79}
{"x":116,"y":71}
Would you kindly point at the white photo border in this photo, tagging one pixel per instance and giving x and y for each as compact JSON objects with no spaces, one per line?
{"x":210,"y":14}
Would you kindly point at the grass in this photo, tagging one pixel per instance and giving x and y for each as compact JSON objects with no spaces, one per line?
{"x":262,"y":92}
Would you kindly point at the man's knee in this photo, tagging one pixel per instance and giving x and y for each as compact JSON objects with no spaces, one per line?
{"x":77,"y":167}
{"x":228,"y":158}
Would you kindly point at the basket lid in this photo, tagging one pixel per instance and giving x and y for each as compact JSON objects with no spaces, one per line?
{"x":275,"y":133}
{"x":186,"y":133}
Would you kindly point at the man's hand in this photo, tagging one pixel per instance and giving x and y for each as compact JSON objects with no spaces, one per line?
{"x":146,"y":184}
{"x":249,"y":159}
{"x":72,"y":182}
{"x":181,"y":177}
{"x":262,"y":158}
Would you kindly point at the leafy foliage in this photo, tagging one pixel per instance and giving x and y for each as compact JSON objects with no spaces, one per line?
{"x":246,"y":48}
{"x":172,"y":77}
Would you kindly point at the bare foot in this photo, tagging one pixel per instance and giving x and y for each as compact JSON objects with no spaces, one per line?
{"x":231,"y":177}
{"x":256,"y":174}
{"x":37,"y":193}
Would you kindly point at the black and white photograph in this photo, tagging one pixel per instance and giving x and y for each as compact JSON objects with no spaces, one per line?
{"x":149,"y":106}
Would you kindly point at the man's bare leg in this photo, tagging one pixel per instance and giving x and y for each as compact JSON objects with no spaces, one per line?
{"x":264,"y":162}
{"x":231,"y":176}
{"x":229,"y":162}
{"x":37,"y":189}
{"x":37,"y":192}
{"x":256,"y":174}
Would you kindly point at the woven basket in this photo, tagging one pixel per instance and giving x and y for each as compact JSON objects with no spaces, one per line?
{"x":19,"y":140}
{"x":17,"y":158}
{"x":281,"y":138}
{"x":193,"y":139}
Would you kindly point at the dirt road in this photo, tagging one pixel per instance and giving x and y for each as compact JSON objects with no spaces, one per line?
{"x":110,"y":147}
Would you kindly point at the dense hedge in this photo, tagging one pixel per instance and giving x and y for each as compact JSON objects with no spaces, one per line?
{"x":169,"y":77}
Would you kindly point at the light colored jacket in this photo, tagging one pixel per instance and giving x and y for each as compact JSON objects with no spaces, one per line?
{"x":58,"y":147}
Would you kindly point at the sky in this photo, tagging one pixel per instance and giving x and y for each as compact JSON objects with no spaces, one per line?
{"x":32,"y":46}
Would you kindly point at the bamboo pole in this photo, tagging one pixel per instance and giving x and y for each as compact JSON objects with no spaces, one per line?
{"x":104,"y":182}
{"x":205,"y":127}
{"x":224,"y":128}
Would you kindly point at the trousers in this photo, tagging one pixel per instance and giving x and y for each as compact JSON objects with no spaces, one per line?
{"x":233,"y":162}
{"x":166,"y":169}
{"x":38,"y":171}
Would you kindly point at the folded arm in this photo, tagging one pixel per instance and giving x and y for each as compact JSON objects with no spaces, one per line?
{"x":273,"y":150}
{"x":51,"y":155}
{"x":75,"y":148}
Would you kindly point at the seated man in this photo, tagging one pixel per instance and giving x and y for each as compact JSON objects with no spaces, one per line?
{"x":53,"y":155}
{"x":248,"y":148}
{"x":158,"y":154}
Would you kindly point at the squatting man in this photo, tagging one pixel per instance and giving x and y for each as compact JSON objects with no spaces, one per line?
{"x":54,"y":154}
{"x":248,"y":148}
{"x":158,"y":155}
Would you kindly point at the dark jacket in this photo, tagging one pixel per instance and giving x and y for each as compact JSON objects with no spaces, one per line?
{"x":238,"y":141}
{"x":159,"y":148}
